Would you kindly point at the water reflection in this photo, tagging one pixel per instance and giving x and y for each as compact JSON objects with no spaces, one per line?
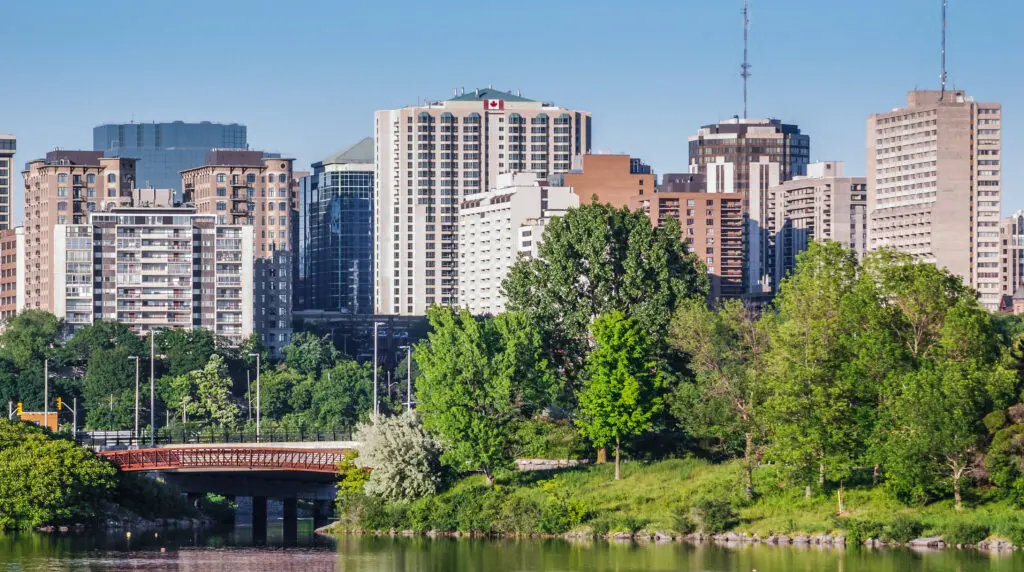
{"x":236,"y":550}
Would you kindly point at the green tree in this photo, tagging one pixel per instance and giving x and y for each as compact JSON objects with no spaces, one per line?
{"x":596,"y":260}
{"x":620,"y":394}
{"x":186,"y":350}
{"x":109,"y":389}
{"x":342,"y":396}
{"x":310,"y":355}
{"x":203,"y":395}
{"x":727,"y":348}
{"x":276,"y":387}
{"x":30,"y":337}
{"x":46,"y":480}
{"x":477,"y":377}
{"x":102,"y":335}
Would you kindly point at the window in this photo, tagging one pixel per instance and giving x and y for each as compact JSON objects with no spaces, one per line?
{"x":281,"y":206}
{"x":251,"y":178}
{"x":62,"y":191}
{"x":111,"y":178}
{"x":222,"y":206}
{"x":91,"y":178}
{"x":62,"y":206}
{"x":222,"y":192}
{"x":283,"y":222}
{"x":62,"y":177}
{"x":282,"y":178}
{"x":221,"y":178}
{"x":112,"y":192}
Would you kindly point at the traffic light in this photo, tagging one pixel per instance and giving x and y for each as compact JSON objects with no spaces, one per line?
{"x":19,"y":408}
{"x":59,"y":404}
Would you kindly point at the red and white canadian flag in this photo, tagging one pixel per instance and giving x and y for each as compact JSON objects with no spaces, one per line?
{"x":494,"y":104}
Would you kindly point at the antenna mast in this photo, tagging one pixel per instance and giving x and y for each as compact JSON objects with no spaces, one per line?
{"x":945,"y":5}
{"x":745,"y":68}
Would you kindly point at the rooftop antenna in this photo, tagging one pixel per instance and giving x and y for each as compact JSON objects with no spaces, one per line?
{"x":945,"y":6}
{"x":745,"y":68}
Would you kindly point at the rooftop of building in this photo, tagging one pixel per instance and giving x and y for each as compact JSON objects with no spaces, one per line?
{"x":176,"y":122}
{"x":237,"y":158}
{"x":738,"y":125}
{"x":359,"y":153}
{"x":481,"y":94}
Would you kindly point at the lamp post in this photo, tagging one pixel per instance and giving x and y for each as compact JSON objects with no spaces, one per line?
{"x":46,"y":393}
{"x":408,"y":377}
{"x":257,"y":356}
{"x":376,"y":408}
{"x":152,"y":388}
{"x":136,"y":358}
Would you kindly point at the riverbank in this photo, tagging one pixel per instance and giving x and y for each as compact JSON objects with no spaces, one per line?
{"x":684,"y":499}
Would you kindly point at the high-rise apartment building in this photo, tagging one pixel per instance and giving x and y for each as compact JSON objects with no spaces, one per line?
{"x":613,"y":179}
{"x":245,"y":187}
{"x":8,"y":274}
{"x":824,"y":205}
{"x":8,"y":146}
{"x":711,"y":226}
{"x":934,"y":180}
{"x":64,"y":188}
{"x":1011,"y":234}
{"x":164,"y":150}
{"x":334,"y":249}
{"x":155,"y":268}
{"x":429,"y":157}
{"x":748,"y":157}
{"x":491,"y":237}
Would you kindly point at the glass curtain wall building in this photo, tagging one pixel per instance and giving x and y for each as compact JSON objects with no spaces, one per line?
{"x":164,"y":150}
{"x":334,"y":266}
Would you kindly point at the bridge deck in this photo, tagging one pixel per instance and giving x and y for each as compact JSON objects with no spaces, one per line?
{"x":228,"y":458}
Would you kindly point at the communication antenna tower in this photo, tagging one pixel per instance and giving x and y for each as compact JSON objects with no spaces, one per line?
{"x":943,"y":76}
{"x":745,"y":67}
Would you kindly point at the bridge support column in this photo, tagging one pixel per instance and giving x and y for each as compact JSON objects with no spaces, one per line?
{"x":291,"y":520}
{"x":232,"y":516}
{"x":259,"y":520}
{"x":193,"y":499}
{"x":321,"y":513}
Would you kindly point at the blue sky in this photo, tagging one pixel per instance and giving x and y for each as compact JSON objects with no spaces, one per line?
{"x":307,"y":75}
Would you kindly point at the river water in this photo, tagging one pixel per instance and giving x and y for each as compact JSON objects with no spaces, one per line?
{"x":234,"y":551}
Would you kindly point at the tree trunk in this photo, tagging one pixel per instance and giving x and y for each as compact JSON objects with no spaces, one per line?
{"x":618,"y":475}
{"x":807,"y":492}
{"x":875,"y":475}
{"x":602,"y":455}
{"x":957,"y":501}
{"x":839,"y":499}
{"x":748,"y":467}
{"x":489,"y":477}
{"x":821,"y":476}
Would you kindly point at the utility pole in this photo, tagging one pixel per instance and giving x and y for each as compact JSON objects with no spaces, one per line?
{"x":152,"y":388}
{"x":258,"y":415}
{"x":46,"y":393}
{"x":136,"y":358}
{"x":248,"y":392}
{"x":376,"y":362}
{"x":74,"y":418}
{"x":408,"y":377}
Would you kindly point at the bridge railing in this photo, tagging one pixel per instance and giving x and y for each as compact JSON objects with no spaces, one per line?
{"x":119,"y":439}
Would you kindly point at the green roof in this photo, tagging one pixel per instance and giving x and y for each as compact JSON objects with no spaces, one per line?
{"x":361,"y":152}
{"x":488,"y":93}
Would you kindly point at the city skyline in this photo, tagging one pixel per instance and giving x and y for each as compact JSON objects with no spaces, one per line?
{"x":828,"y":90}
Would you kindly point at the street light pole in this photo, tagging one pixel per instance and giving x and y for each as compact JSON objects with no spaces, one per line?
{"x":46,"y":393}
{"x":376,"y":363}
{"x":258,"y":416}
{"x":408,"y":377}
{"x":152,"y":388}
{"x":136,"y":358}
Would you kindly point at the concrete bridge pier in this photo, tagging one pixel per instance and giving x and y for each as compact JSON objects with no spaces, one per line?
{"x":291,"y":520}
{"x":259,"y":520}
{"x":321,"y":513}
{"x":194,"y":498}
{"x":234,"y":509}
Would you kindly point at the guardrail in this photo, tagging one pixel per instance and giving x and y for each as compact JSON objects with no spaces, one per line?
{"x":210,"y":437}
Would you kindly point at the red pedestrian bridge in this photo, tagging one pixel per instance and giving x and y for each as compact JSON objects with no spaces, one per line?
{"x":229,"y":458}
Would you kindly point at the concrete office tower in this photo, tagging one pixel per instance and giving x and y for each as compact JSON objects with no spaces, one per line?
{"x":8,"y":274}
{"x":613,"y":179}
{"x":8,"y":146}
{"x":155,"y":268}
{"x":711,"y":225}
{"x":933,"y":171}
{"x":429,"y":157}
{"x":1011,"y":234}
{"x":164,"y":150}
{"x":63,"y":188}
{"x":490,"y":237}
{"x":824,"y":205}
{"x":748,"y":157}
{"x":334,"y":258}
{"x":249,"y":188}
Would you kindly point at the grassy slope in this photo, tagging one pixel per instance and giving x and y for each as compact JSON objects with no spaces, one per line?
{"x":650,"y":494}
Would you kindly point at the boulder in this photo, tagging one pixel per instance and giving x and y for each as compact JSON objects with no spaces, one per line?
{"x":927,"y":542}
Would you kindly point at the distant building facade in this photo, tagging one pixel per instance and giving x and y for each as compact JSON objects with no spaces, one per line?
{"x":491,"y":234}
{"x":711,"y":225}
{"x":934,"y":185}
{"x":824,"y":205}
{"x":428,"y":158}
{"x":155,"y":268}
{"x":8,"y":147}
{"x":8,"y":273}
{"x":164,"y":150}
{"x":63,"y":189}
{"x":613,"y":179}
{"x":334,"y":249}
{"x":748,"y":157}
{"x":1011,"y":234}
{"x":242,"y":187}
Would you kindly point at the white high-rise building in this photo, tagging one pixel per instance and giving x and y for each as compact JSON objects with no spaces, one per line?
{"x":491,"y":226}
{"x":428,"y":158}
{"x":934,"y":179}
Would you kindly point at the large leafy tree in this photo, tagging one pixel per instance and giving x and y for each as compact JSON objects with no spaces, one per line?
{"x":596,"y":260}
{"x":102,"y":335}
{"x":727,"y":349}
{"x":478,"y":375}
{"x":186,"y":350}
{"x":275,"y":391}
{"x":342,"y":395}
{"x":30,"y":337}
{"x":109,"y":389}
{"x":621,"y":388}
{"x":203,"y":395}
{"x":311,"y":355}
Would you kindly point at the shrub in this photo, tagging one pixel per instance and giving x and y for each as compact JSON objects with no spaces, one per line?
{"x":351,"y":477}
{"x":681,"y":521}
{"x":421,"y":514}
{"x":518,"y":515}
{"x":995,"y":421}
{"x":1014,"y":532}
{"x":404,"y":458}
{"x":857,"y":531}
{"x":965,"y":533}
{"x":628,"y":523}
{"x":903,"y":529}
{"x":714,"y":516}
{"x":561,"y":513}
